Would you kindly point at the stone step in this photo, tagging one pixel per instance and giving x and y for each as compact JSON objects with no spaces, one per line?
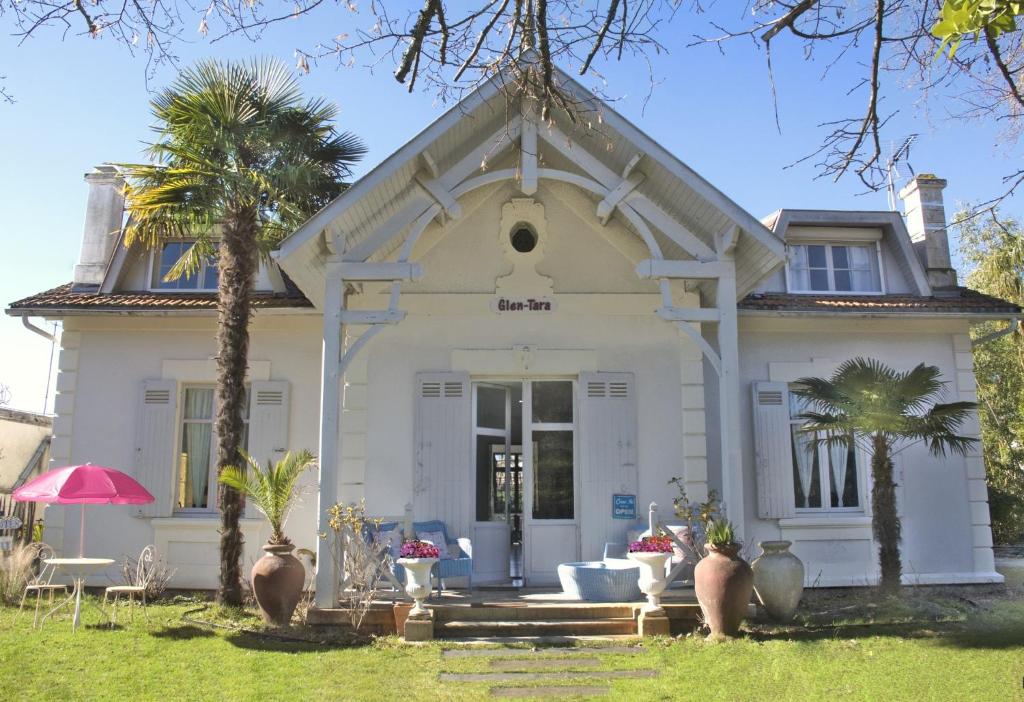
{"x":585,"y":640}
{"x":532,"y":612}
{"x":553,"y":627}
{"x":555,"y":692}
{"x":531,"y":677}
{"x":553,"y":652}
{"x":549,"y":663}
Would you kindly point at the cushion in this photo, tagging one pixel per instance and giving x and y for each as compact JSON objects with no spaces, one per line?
{"x":436,"y":538}
{"x":391,"y":537}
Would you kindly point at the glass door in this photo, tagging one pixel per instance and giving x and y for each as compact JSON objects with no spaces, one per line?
{"x":498,"y":479}
{"x":551,"y":534}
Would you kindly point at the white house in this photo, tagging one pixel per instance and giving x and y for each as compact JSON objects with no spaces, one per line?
{"x":499,"y":283}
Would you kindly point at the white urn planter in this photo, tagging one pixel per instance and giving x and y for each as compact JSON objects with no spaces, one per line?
{"x":417,"y":583}
{"x":653,"y":578}
{"x":778,"y":579}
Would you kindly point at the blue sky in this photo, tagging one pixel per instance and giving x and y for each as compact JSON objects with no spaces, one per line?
{"x":83,"y":102}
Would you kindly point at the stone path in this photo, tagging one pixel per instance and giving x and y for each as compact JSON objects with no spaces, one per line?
{"x":516,"y":671}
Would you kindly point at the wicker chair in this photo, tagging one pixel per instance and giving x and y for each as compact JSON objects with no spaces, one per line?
{"x":42,"y":581}
{"x":138,"y":586}
{"x":456,"y":567}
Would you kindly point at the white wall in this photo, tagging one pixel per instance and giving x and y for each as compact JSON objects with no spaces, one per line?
{"x":933,"y":492}
{"x":113,"y":358}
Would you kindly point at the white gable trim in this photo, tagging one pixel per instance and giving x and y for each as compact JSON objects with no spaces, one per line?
{"x":389,"y":166}
{"x":652,"y":149}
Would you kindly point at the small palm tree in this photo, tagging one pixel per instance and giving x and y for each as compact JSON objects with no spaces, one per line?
{"x":271,"y":489}
{"x":241,"y":160}
{"x":866,"y":401}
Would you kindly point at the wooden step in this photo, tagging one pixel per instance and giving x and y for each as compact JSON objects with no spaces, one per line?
{"x":549,"y":627}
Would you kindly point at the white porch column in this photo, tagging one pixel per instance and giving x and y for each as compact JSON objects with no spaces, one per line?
{"x":729,"y":385}
{"x":330,"y":429}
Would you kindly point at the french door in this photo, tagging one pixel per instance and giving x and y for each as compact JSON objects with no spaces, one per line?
{"x":527,"y":478}
{"x":550,"y":479}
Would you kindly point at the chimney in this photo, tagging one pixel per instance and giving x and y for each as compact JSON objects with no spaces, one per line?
{"x":925,"y":215}
{"x":103,"y":215}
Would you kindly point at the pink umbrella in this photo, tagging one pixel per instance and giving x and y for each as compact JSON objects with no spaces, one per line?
{"x":85,"y":485}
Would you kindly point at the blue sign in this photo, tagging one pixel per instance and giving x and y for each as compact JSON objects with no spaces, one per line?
{"x":624,"y":506}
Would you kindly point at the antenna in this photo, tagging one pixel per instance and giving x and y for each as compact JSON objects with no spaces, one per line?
{"x":900,"y":154}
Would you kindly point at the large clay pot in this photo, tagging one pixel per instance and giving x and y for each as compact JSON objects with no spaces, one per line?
{"x":277,"y":580}
{"x":778,"y":579}
{"x":723,"y":583}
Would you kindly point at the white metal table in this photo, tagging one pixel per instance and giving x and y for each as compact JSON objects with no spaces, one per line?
{"x":78,"y":569}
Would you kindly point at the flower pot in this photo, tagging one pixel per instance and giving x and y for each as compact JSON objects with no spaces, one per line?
{"x":723,"y":583}
{"x":401,"y":611}
{"x":778,"y":579}
{"x":652,"y":579}
{"x":417,"y":583}
{"x":277,"y":580}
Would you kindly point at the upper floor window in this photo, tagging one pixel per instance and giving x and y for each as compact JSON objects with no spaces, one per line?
{"x":825,"y":477}
{"x":835,"y":268}
{"x":169,"y":254}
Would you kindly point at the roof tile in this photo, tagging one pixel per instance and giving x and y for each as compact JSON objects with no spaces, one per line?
{"x":63,"y":298}
{"x":958,"y":301}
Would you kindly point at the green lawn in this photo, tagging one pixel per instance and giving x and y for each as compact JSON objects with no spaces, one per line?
{"x":980,"y":656}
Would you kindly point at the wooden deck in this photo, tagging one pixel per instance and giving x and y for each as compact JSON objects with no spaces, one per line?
{"x":517,"y":613}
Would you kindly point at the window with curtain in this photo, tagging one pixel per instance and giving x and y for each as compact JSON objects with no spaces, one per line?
{"x":169,"y":254}
{"x":834,"y":268}
{"x":825,"y":477}
{"x":197,"y":464}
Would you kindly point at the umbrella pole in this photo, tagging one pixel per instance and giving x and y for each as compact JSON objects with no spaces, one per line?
{"x":81,"y":533}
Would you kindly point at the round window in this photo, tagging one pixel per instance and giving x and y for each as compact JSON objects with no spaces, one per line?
{"x":524,"y":240}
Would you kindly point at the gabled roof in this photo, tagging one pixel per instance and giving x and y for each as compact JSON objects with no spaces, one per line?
{"x":372,"y":215}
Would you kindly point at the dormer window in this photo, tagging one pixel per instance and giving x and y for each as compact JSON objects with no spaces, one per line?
{"x":836,"y":268}
{"x":169,"y":254}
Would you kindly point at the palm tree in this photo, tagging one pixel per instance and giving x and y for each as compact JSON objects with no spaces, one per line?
{"x":241,"y":160}
{"x":271,"y":489}
{"x":866,"y":401}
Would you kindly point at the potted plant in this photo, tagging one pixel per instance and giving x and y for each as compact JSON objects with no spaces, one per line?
{"x":723,"y":581}
{"x":277,"y":578}
{"x":418,"y":559}
{"x":651,"y":553}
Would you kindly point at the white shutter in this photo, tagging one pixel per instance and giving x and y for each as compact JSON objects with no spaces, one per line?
{"x":608,"y":456}
{"x":268,"y":425}
{"x":443,"y":473}
{"x":155,"y":454}
{"x":773,"y":452}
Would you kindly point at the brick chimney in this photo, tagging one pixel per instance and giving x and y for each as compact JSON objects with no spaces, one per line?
{"x":104,"y":212}
{"x":925,"y":215}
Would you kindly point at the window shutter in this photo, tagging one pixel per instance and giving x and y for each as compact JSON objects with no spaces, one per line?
{"x":155,"y":455}
{"x":608,"y":456}
{"x":443,"y":472}
{"x":773,"y":453}
{"x":268,"y":425}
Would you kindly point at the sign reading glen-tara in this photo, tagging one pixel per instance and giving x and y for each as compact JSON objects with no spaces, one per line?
{"x":523,"y":304}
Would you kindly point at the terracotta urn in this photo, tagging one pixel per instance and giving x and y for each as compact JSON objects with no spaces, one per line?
{"x":652,"y":579}
{"x":778,"y":579}
{"x":277,"y":580}
{"x":417,"y":583}
{"x":724,"y":584}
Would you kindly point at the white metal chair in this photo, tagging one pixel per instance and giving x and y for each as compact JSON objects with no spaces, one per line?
{"x":137,"y":585}
{"x":42,"y":581}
